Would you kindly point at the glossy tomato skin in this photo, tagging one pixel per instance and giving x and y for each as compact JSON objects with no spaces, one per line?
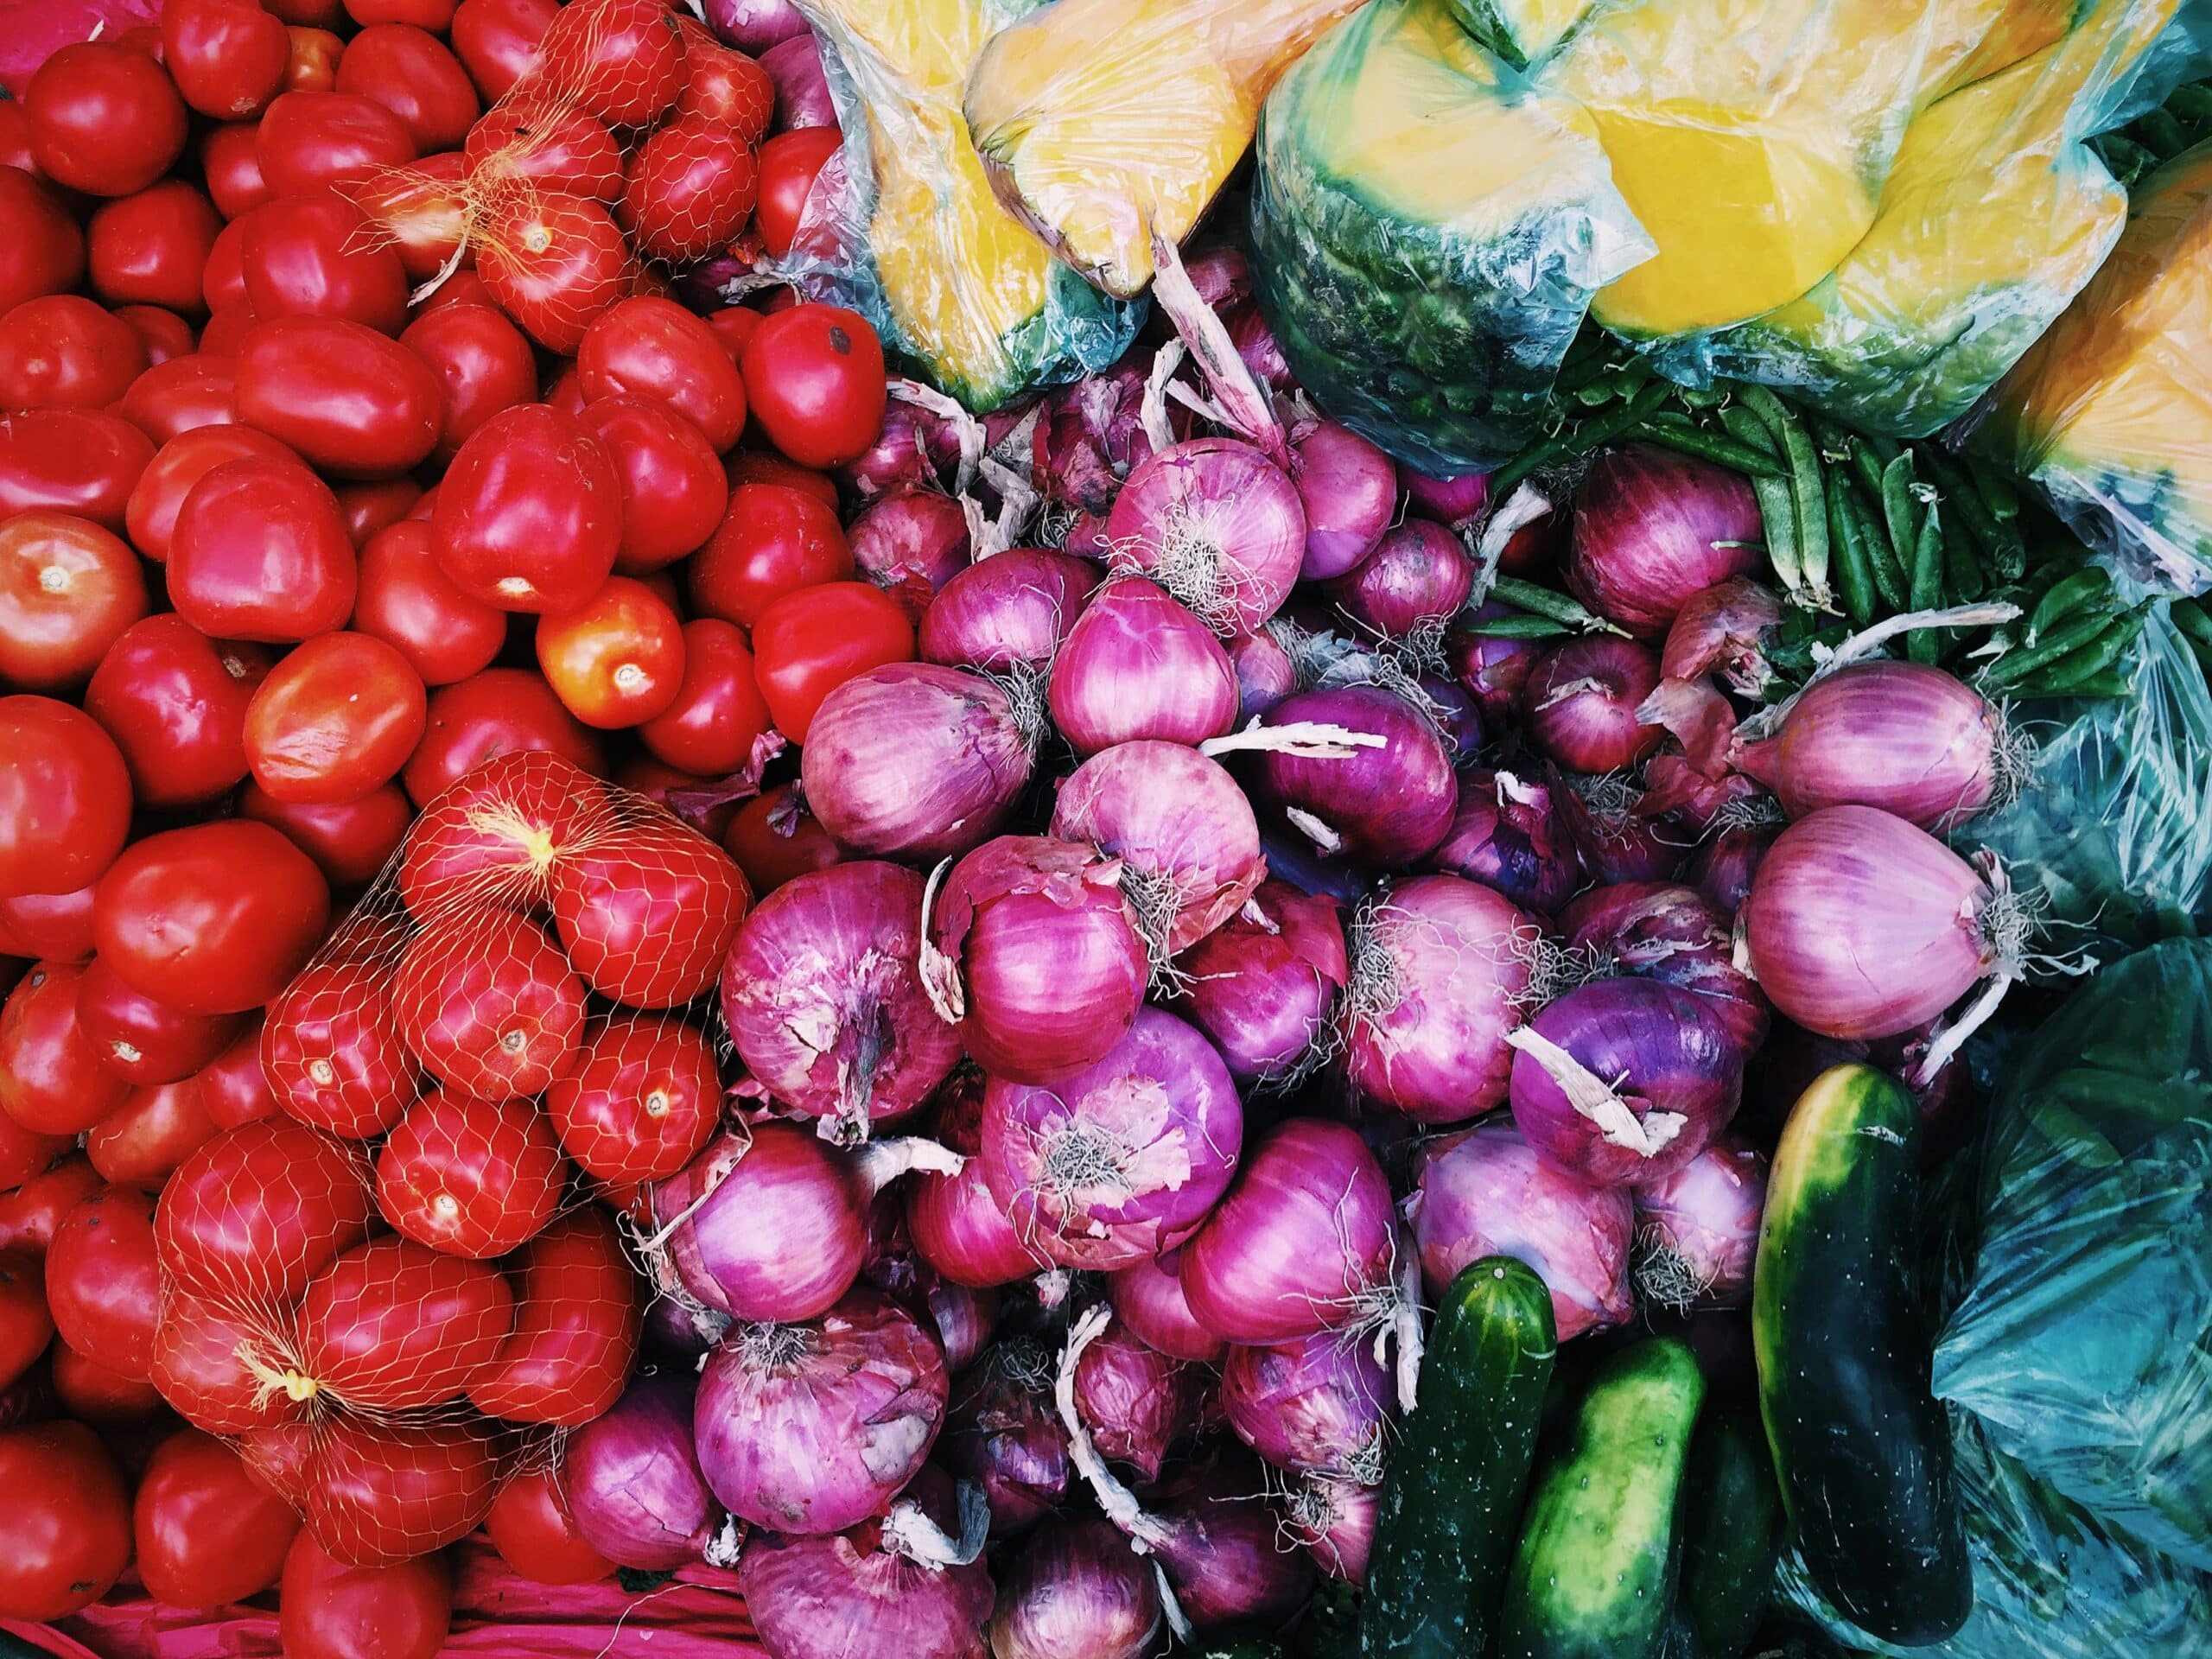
{"x":649,"y":914}
{"x":733,"y":326}
{"x":349,"y":843}
{"x":232,"y":1087}
{"x":26,"y":1327}
{"x":814,"y":375}
{"x":36,"y":1173}
{"x":406,"y":600}
{"x":68,"y":589}
{"x":421,"y":211}
{"x":316,"y":255}
{"x":181,"y":461}
{"x":615,"y":660}
{"x":166,"y":335}
{"x":64,"y":798}
{"x":222,"y":279}
{"x":310,"y":141}
{"x":150,"y":248}
{"x":536,"y":139}
{"x":488,"y":1004}
{"x":482,"y":363}
{"x":52,"y":1081}
{"x":391,"y":1324}
{"x":313,"y":66}
{"x":497,"y":712}
{"x":140,"y":1038}
{"x":410,"y":72}
{"x":381,"y":1495}
{"x":207,"y":1531}
{"x":691,"y":187}
{"x":766,"y":466}
{"x":554,"y":262}
{"x":655,"y":350}
{"x":174,"y":701}
{"x":497,"y":40}
{"x":718,"y":713}
{"x":189,"y":391}
{"x":351,"y":402}
{"x":529,"y":517}
{"x":206,"y":1355}
{"x":80,"y":461}
{"x":67,"y":351}
{"x":41,"y":250}
{"x":93,"y":1394}
{"x":642,"y":1099}
{"x":576,"y":1326}
{"x":227,"y":57}
{"x":330,"y":1610}
{"x":335,"y":719}
{"x":492,"y":836}
{"x":772,"y":541}
{"x":470,"y":1177}
{"x":673,"y":493}
{"x":622,"y":60}
{"x":260,"y":553}
{"x":810,"y":642}
{"x":331,"y":1051}
{"x":536,"y":1535}
{"x":725,"y":86}
{"x":232,"y":166}
{"x":65,"y":1532}
{"x":259,"y":1210}
{"x":102,"y":1282}
{"x":211,"y":919}
{"x":49,"y":926}
{"x":370,"y":505}
{"x":105,"y":118}
{"x":790,"y":163}
{"x":141,"y":1143}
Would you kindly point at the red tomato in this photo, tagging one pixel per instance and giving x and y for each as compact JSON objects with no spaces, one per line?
{"x":473,"y":1177}
{"x":313,"y":65}
{"x":151,"y":248}
{"x":258,"y":552}
{"x":332,"y":1050}
{"x":406,"y":600}
{"x":222,"y":279}
{"x":809,"y":643}
{"x":492,"y":837}
{"x":227,"y":57}
{"x":349,"y":843}
{"x":335,"y":719}
{"x":140,"y":1038}
{"x":622,"y":60}
{"x":615,"y":660}
{"x":370,"y":505}
{"x":68,"y":591}
{"x":105,"y":119}
{"x":725,"y":86}
{"x":230,"y":163}
{"x":64,"y":798}
{"x":482,"y":363}
{"x":766,"y":466}
{"x":50,"y":927}
{"x":207,"y":1532}
{"x":317,"y":256}
{"x":65,"y":1531}
{"x":495,"y":713}
{"x":15,"y":137}
{"x":232,"y":1087}
{"x":330,"y":1610}
{"x":536,"y":139}
{"x":174,"y":701}
{"x":26,"y":1327}
{"x":103,"y":1283}
{"x":392,"y":1325}
{"x":772,"y":541}
{"x":691,"y":187}
{"x":656,"y":351}
{"x":497,"y":39}
{"x":672,"y":490}
{"x":142,"y":1142}
{"x":52,"y":1077}
{"x":211,"y":919}
{"x":50,"y":1189}
{"x":309,"y":14}
{"x":383,"y":1494}
{"x":182,"y":462}
{"x":553,"y":262}
{"x":226,"y":331}
{"x":529,"y":514}
{"x":575,"y":1330}
{"x":66,"y":352}
{"x":423,"y":211}
{"x":93,"y":1393}
{"x":719,"y":714}
{"x":189,"y":393}
{"x":641,"y":1100}
{"x":488,"y":1004}
{"x":790,"y":163}
{"x":410,"y":72}
{"x":353,"y":402}
{"x":537,"y":1538}
{"x":82,"y":460}
{"x":206,"y":1355}
{"x":165,"y":335}
{"x":310,"y":141}
{"x":649,"y":913}
{"x":41,"y":250}
{"x":27,"y":1161}
{"x":733,"y":326}
{"x":261,"y":1209}
{"x":814,"y":375}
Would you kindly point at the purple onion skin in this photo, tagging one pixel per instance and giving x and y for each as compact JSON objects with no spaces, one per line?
{"x":1265,"y":674}
{"x":1578,"y":706}
{"x":1303,"y":1236}
{"x":801,"y":90}
{"x":1386,"y":807}
{"x":1137,"y":1401}
{"x":1148,"y":1297}
{"x":1457,"y":954}
{"x":1137,"y":664}
{"x":1509,"y":837}
{"x":1619,"y":846}
{"x":1652,"y":527}
{"x":778,"y":1234}
{"x":1003,"y":1432}
{"x":1013,"y":609}
{"x":1669,"y":1051}
{"x":1723,"y":868}
{"x":1293,"y":861}
{"x":824,"y":999}
{"x":1491,"y":672}
{"x":963,"y":1319}
{"x":1316,"y":1406}
{"x":1350,"y":491}
{"x":1418,"y":576}
{"x":1706,"y":1214}
{"x":1335,"y":1520}
{"x":1159,"y":1107}
{"x":753,"y":26}
{"x":1459,"y":714}
{"x":1092,"y":433}
{"x":1453,"y":500}
{"x":1224,"y":1552}
{"x":906,"y":455}
{"x":910,"y":544}
{"x":955,"y":1224}
{"x":1053,"y":968}
{"x":1484,"y":1191}
{"x":1222,"y":520}
{"x":1656,"y":930}
{"x":1256,"y":344}
{"x":631,"y":1480}
{"x":670,"y":1333}
{"x":1076,"y":1592}
{"x":1264,"y":987}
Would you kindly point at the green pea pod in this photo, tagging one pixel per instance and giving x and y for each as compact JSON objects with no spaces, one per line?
{"x":2103,"y":651}
{"x":1889,"y":579}
{"x":1927,"y":582}
{"x":1808,"y":496}
{"x":1964,"y":580}
{"x":2090,"y":588}
{"x":2021,"y":661}
{"x":1706,"y":446}
{"x":1516,"y":627}
{"x":1546,"y":602}
{"x":1854,"y":579}
{"x":2190,"y":617}
{"x":1898,"y":517}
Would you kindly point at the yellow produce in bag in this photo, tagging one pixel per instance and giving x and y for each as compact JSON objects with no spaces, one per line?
{"x":1519,"y":31}
{"x":1102,"y":120}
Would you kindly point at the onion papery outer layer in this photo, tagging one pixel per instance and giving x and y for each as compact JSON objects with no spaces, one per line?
{"x":1579,"y":704}
{"x":1076,"y":1590}
{"x":1349,"y":489}
{"x":1135,"y":1403}
{"x":1318,"y":1405}
{"x":1222,"y":1548}
{"x":1507,"y":835}
{"x":1335,"y":1520}
{"x":1386,"y":805}
{"x":1264,"y":984}
{"x":631,"y":1480}
{"x":766,"y":1223}
{"x":1011,"y":610}
{"x":1652,"y":527}
{"x":1697,"y":1228}
{"x":1217,"y":524}
{"x":1656,"y":930}
{"x":1418,"y":577}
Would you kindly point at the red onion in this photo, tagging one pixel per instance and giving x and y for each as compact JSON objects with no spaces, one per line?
{"x":1349,"y":489}
{"x":1624,"y":1081}
{"x":824,"y":1000}
{"x":1218,"y":524}
{"x":1456,"y":501}
{"x":1302,"y":1242}
{"x":1507,"y":836}
{"x":1722,"y":868}
{"x":1912,"y":740}
{"x":753,"y":26}
{"x":1010,"y":610}
{"x":910,"y":544}
{"x":1335,"y":1520}
{"x":907,"y":1585}
{"x":1148,"y":1297}
{"x":1091,"y":434}
{"x":1256,"y":344}
{"x":1653,"y":526}
{"x":1137,"y":664}
{"x":813,"y":1429}
{"x":1264,"y":984}
{"x":1613,"y":837}
{"x":1123,"y":1159}
{"x":1001,"y":1433}
{"x":1457,"y":717}
{"x":1491,"y":669}
{"x":963,"y":1317}
{"x":1265,"y":673}
{"x":1417,"y":578}
{"x":1673,"y":934}
{"x":1220,"y":274}
{"x":631,"y":1478}
{"x":1724,"y":631}
{"x":1035,"y":954}
{"x":1484,"y":1191}
{"x":677,"y":1330}
{"x":1135,"y":1401}
{"x":1223,"y":1551}
{"x":1676,"y":790}
{"x":1439,"y":968}
{"x":918,"y":761}
{"x":1387,"y":805}
{"x":908,"y":454}
{"x":1697,"y":1228}
{"x":1318,"y":1405}
{"x":955,"y":1224}
{"x":1076,"y":1591}
{"x":1578,"y":706}
{"x":803,"y":97}
{"x":1184,"y":832}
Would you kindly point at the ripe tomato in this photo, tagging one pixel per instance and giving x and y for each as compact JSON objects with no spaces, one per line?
{"x":773,"y":541}
{"x":393,"y":1325}
{"x":672,"y":490}
{"x":26,"y":1327}
{"x":185,"y":393}
{"x":183,"y":461}
{"x":259,"y":552}
{"x":211,"y":919}
{"x":691,"y":187}
{"x":93,"y":1394}
{"x":815,"y":377}
{"x":330,"y":1610}
{"x":488,"y":1003}
{"x":531,"y":1527}
{"x":68,"y":591}
{"x":529,"y":516}
{"x":809,"y":643}
{"x":370,"y":505}
{"x":166,"y":335}
{"x":576,"y":1327}
{"x":723,"y":85}
{"x":473,"y":1177}
{"x":52,"y":1077}
{"x":353,"y":402}
{"x":227,"y":57}
{"x":719,"y":714}
{"x":335,"y":719}
{"x":141,"y":1039}
{"x":231,"y":164}
{"x":349,"y":843}
{"x":406,"y":600}
{"x":65,"y":1531}
{"x":260,"y":1210}
{"x":790,"y":163}
{"x":553,"y":262}
{"x":535,"y":139}
{"x":310,"y":141}
{"x":766,"y":466}
{"x":232,"y":1087}
{"x":313,"y":65}
{"x":482,"y":363}
{"x":655,"y":350}
{"x":493,"y":835}
{"x":648,"y":915}
{"x":422,"y":211}
{"x":381,"y":1494}
{"x":410,"y":72}
{"x":226,"y":331}
{"x":150,"y":248}
{"x":174,"y":701}
{"x":733,"y":326}
{"x":102,"y":1280}
{"x":317,"y":256}
{"x":79,"y":460}
{"x":616,"y":659}
{"x":641,"y":1099}
{"x":67,"y":351}
{"x":64,"y":798}
{"x":222,"y":281}
{"x":105,"y":118}
{"x":207,"y":1532}
{"x":49,"y":926}
{"x":622,"y":60}
{"x":497,"y":712}
{"x":332,"y":1050}
{"x":210,"y":1356}
{"x":41,"y":250}
{"x":142,"y":1142}
{"x":34,"y":1172}
{"x":497,"y":39}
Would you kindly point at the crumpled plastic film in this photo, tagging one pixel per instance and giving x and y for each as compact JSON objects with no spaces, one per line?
{"x":1428,"y":226}
{"x":2111,"y":411}
{"x":1520,"y":31}
{"x":1103,"y":121}
{"x":963,"y":293}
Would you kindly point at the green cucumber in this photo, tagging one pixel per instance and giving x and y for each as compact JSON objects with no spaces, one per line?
{"x":1594,"y":1575}
{"x":1732,"y":1532}
{"x":1452,"y":1494}
{"x":1861,"y":1447}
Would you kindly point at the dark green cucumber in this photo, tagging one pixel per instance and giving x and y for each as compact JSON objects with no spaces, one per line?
{"x":1452,"y":1494}
{"x":1861,"y":1448}
{"x":1732,"y":1532}
{"x":1594,"y":1575}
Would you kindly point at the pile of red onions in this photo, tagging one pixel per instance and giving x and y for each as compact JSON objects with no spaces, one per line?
{"x":1580,"y":704}
{"x":1138,"y":664}
{"x":1076,"y":1590}
{"x":1659,"y":931}
{"x":910,"y":544}
{"x":1216,"y":523}
{"x":1264,"y":984}
{"x":1002,"y":1433}
{"x":1490,"y":669}
{"x":1318,"y":1404}
{"x":1418,"y":576}
{"x":1387,"y":803}
{"x":1349,"y":489}
{"x":631,"y":1480}
{"x":953,"y":1222}
{"x":1652,"y":527}
{"x":1506,"y":836}
{"x":1010,"y":611}
{"x":1697,"y":1230}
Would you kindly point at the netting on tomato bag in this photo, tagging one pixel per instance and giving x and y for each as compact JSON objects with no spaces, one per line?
{"x":408,"y":1283}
